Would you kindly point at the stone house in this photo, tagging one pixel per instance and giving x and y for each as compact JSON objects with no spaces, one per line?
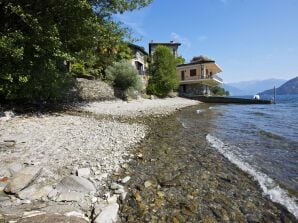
{"x":198,"y":76}
{"x":139,"y":58}
{"x":173,"y":46}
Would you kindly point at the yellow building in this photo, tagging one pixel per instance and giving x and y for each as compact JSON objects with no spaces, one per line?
{"x":197,"y":76}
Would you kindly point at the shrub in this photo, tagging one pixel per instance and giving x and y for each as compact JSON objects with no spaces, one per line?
{"x":219,"y":91}
{"x":78,"y":69}
{"x":162,"y":71}
{"x":122,"y":75}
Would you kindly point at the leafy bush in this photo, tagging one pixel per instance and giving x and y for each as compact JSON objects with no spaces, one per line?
{"x":36,"y":36}
{"x":219,"y":91}
{"x":78,"y":68}
{"x":162,"y":71}
{"x":122,"y":75}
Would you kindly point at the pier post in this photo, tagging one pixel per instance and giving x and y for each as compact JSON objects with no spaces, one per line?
{"x":274,"y":90}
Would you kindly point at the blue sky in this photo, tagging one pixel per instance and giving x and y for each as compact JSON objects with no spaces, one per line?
{"x":249,"y":39}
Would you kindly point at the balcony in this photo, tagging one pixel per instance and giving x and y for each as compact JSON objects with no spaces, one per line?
{"x":141,"y":72}
{"x":217,"y":78}
{"x":206,"y":80}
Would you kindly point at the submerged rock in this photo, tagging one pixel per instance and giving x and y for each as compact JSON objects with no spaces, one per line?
{"x":115,"y":186}
{"x":125,"y":179}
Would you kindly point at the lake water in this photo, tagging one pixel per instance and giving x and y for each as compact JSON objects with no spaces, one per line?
{"x":263,"y":141}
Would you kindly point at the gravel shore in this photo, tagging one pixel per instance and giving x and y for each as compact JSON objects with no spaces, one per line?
{"x":136,"y":108}
{"x":61,"y":164}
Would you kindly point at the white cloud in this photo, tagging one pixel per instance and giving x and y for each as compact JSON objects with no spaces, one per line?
{"x":177,"y":38}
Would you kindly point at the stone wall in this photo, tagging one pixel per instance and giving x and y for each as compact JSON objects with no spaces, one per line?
{"x":92,"y":90}
{"x":194,"y":89}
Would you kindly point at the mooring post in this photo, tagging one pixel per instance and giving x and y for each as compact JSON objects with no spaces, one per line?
{"x":274,"y":95}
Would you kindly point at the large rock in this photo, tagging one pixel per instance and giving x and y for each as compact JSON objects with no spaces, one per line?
{"x":52,"y":218}
{"x":15,"y":167}
{"x":109,"y":214}
{"x":70,"y":196}
{"x":75,"y":183}
{"x":22,"y":179}
{"x":34,"y":192}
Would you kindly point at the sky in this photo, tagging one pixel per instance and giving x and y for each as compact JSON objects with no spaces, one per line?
{"x":248,"y":39}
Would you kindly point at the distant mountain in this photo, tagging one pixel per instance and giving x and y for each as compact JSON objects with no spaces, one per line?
{"x":290,"y":87}
{"x":233,"y":90}
{"x":255,"y":86}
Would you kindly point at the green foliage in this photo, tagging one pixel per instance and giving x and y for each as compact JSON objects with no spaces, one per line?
{"x":219,"y":91}
{"x":163,"y":74}
{"x":180,"y":60}
{"x":122,"y":75}
{"x":78,"y":68}
{"x":38,"y":37}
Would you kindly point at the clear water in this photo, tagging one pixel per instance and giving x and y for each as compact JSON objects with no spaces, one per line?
{"x":263,"y":139}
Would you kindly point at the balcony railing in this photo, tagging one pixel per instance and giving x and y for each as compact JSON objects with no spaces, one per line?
{"x":215,"y":77}
{"x":208,"y":80}
{"x":141,"y":72}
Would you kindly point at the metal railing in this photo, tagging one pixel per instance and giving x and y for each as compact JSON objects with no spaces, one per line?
{"x":217,"y":78}
{"x":142,"y":72}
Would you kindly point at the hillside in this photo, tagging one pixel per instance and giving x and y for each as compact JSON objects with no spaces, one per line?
{"x":290,"y":87}
{"x":254,"y":86}
{"x":233,"y":90}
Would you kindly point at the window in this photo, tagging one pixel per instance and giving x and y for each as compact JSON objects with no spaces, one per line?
{"x":182,"y":75}
{"x":193,"y":72}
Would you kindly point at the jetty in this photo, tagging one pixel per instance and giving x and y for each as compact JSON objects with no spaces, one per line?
{"x":227,"y":100}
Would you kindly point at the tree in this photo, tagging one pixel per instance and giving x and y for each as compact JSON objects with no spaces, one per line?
{"x":122,"y":75}
{"x":217,"y":90}
{"x":163,"y":75}
{"x":38,"y":37}
{"x":180,"y":60}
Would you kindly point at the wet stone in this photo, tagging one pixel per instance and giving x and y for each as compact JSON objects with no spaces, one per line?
{"x":193,"y":182}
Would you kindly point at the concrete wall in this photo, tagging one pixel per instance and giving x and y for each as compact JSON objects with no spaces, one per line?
{"x":201,"y":72}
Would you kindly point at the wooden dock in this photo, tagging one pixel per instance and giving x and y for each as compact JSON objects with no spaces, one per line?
{"x":227,"y":100}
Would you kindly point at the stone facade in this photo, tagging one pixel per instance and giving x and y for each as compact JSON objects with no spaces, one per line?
{"x":194,"y":89}
{"x":139,"y":58}
{"x":173,"y":46}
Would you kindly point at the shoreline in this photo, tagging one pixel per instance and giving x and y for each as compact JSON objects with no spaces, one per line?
{"x":134,"y":181}
{"x":70,"y":146}
{"x":188,"y":181}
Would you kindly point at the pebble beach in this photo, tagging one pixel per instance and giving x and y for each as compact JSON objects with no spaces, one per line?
{"x":68,"y":160}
